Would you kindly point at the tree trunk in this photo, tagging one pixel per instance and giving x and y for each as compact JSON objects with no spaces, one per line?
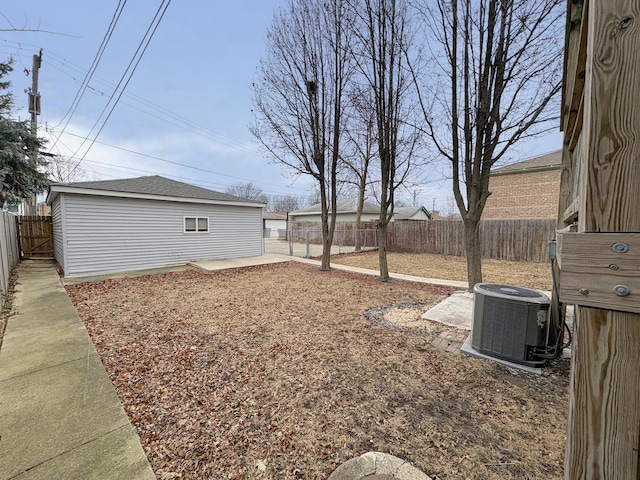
{"x":357,"y":238}
{"x":356,"y":235}
{"x":473,"y":250}
{"x":382,"y":252}
{"x":325,"y":263}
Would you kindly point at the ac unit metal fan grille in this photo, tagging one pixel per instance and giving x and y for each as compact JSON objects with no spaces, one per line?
{"x":502,"y":334}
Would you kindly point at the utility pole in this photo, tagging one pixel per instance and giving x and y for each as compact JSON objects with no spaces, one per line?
{"x":34,"y":95}
{"x":34,"y":110}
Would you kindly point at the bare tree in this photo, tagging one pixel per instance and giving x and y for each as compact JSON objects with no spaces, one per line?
{"x":500,"y":66}
{"x":248,"y":190}
{"x":385,"y":35}
{"x":284,"y":203}
{"x":313,"y":197}
{"x":360,"y":152}
{"x":298,"y":97}
{"x":65,"y":170}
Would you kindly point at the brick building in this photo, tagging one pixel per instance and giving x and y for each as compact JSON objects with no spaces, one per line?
{"x":527,"y":189}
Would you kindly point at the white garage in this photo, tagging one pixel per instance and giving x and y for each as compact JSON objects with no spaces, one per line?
{"x":148,"y":222}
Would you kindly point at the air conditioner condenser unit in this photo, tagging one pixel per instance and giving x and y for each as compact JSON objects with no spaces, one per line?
{"x":510,"y":323}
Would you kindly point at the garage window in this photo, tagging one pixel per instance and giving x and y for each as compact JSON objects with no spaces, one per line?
{"x":196,"y":224}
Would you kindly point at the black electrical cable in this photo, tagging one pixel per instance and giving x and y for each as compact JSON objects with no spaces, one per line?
{"x":92,"y":69}
{"x":146,"y":39}
{"x":553,"y":352}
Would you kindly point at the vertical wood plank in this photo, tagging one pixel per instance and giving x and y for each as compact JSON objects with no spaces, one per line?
{"x":604,"y":419}
{"x":610,"y":182}
{"x":604,"y":405}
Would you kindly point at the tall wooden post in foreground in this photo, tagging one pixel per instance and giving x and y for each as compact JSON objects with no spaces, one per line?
{"x":599,"y":261}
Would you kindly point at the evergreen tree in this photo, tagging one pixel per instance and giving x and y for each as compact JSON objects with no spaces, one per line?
{"x":22,"y":172}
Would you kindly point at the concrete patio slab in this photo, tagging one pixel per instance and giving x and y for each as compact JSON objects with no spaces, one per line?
{"x":227,"y":263}
{"x":455,"y":311}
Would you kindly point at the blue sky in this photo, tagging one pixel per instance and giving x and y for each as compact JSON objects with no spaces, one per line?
{"x":189,"y":101}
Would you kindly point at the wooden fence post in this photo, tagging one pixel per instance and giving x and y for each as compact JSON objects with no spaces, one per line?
{"x":602,"y":134}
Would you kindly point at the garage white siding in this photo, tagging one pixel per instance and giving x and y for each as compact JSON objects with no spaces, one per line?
{"x":58,"y":242}
{"x":111,"y":234}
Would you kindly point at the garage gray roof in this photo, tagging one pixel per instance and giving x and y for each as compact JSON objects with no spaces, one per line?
{"x":347,"y":205}
{"x":274,"y":216}
{"x":155,"y":185}
{"x":405,"y":213}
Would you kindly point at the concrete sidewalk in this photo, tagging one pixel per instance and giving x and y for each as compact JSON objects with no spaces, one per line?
{"x":222,"y":264}
{"x":395,"y":276}
{"x":59,"y":414}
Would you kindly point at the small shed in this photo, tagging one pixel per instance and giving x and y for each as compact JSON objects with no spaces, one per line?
{"x":148,"y":222}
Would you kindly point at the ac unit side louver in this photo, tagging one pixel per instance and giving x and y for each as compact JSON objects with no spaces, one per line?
{"x":510,"y":323}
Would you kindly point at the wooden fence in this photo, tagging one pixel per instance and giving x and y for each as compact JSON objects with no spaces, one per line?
{"x":9,"y":251}
{"x":522,"y":240}
{"x":36,"y":236}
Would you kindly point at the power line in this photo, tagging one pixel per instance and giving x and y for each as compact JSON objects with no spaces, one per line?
{"x":195,"y":180}
{"x":173,"y":162}
{"x":195,"y":130}
{"x":94,"y":65}
{"x":186,"y":123}
{"x":152,"y":28}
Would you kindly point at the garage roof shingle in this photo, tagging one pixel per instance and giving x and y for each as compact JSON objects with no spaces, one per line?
{"x":157,"y":185}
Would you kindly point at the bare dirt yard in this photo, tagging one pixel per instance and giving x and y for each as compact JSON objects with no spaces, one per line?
{"x":524,"y":274}
{"x":276,"y":372}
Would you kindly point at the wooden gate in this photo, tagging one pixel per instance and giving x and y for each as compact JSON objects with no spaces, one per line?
{"x":36,"y":237}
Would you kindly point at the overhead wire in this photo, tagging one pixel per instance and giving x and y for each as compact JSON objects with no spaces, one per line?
{"x":173,"y":162}
{"x":152,"y":28}
{"x":92,"y":69}
{"x":209,"y":133}
{"x":185,"y":123}
{"x":198,"y":181}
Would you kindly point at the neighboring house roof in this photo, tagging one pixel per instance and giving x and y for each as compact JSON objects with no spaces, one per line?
{"x":348,"y":205}
{"x":407,"y":213}
{"x":151,"y":187}
{"x":550,"y":161}
{"x":274,"y":216}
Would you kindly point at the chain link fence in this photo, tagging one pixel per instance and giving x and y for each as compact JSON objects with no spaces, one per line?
{"x":306,"y":242}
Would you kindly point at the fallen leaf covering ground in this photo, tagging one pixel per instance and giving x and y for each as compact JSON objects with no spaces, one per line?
{"x":524,"y":274}
{"x":275,"y":372}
